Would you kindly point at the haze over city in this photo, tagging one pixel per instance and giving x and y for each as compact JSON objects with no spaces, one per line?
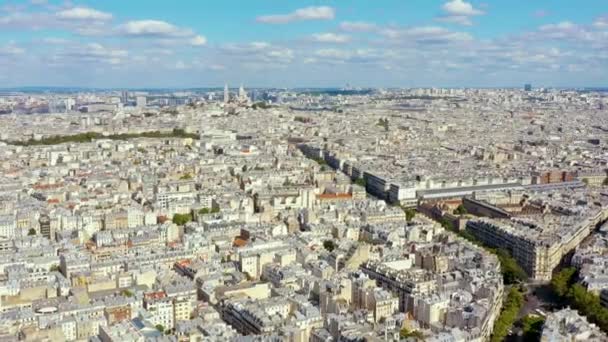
{"x":414,"y":43}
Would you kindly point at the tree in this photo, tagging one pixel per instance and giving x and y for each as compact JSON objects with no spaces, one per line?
{"x":508,"y":315}
{"x":415,"y":334}
{"x":511,"y":271}
{"x":127,"y":293}
{"x":361,"y":182}
{"x":329,"y":245}
{"x":588,"y":304}
{"x":186,"y":176}
{"x":181,"y":219}
{"x":460,"y":210}
{"x":205,"y":211}
{"x":160,"y":328}
{"x":562,"y":281}
{"x":383,"y":123}
{"x":320,"y":161}
{"x":260,"y":105}
{"x":409,"y":213}
{"x":532,"y":327}
{"x":31,"y":232}
{"x":445,"y":223}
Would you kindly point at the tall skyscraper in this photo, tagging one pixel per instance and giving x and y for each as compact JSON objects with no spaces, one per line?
{"x":527,"y":87}
{"x":226,"y":93}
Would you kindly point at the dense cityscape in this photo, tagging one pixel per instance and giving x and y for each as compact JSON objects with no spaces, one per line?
{"x":304,"y":215}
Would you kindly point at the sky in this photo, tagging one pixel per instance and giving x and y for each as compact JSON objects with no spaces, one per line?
{"x":289,"y":43}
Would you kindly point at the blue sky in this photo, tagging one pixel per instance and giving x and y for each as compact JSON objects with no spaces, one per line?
{"x":287,"y":43}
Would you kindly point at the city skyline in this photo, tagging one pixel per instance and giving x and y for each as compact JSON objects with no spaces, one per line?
{"x":456,"y":43}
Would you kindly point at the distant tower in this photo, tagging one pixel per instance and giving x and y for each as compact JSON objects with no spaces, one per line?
{"x":226,"y":93}
{"x":528,"y":87}
{"x":243,"y":94}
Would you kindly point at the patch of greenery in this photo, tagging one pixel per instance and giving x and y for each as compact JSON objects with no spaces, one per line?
{"x":415,"y":334}
{"x":532,"y":327}
{"x":320,"y":161}
{"x":127,"y":293}
{"x":205,"y":211}
{"x":409,"y":213}
{"x":460,"y":210}
{"x":563,"y":281}
{"x":383,"y":123}
{"x":564,"y":285}
{"x":508,"y":315}
{"x":186,"y":176}
{"x":182,"y":219}
{"x":360,"y":182}
{"x":511,"y":271}
{"x":261,"y":105}
{"x":90,"y":136}
{"x":329,"y":245}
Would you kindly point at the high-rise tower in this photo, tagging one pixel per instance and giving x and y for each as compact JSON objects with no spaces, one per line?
{"x":226,"y":93}
{"x":242,"y":91}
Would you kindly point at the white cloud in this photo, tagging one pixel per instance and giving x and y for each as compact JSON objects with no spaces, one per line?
{"x":333,"y":53}
{"x":198,"y":41}
{"x":55,"y":40}
{"x":361,"y":56}
{"x":460,"y":8}
{"x":259,"y":52}
{"x":153,"y":28}
{"x":459,"y":12}
{"x":216,"y":67}
{"x":357,"y":26}
{"x":180,"y":65}
{"x":307,"y":13}
{"x":84,"y":13}
{"x":425,"y":34}
{"x":91,"y":53}
{"x":11,"y":50}
{"x":96,"y":49}
{"x":330,"y":38}
{"x":601,"y":23}
{"x":562,"y":26}
{"x":259,"y":45}
{"x":456,"y":19}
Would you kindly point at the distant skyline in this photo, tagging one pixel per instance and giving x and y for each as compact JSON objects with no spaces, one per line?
{"x":269,"y":43}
